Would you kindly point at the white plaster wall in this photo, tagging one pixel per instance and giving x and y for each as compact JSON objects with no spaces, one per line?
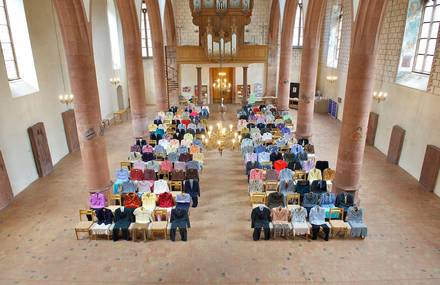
{"x":417,"y":112}
{"x":150,"y":96}
{"x":16,"y":115}
{"x":103,"y":58}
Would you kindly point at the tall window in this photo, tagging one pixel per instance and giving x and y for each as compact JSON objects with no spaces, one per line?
{"x":298,"y":30}
{"x":147,"y":45}
{"x":335,"y":37}
{"x":7,"y":44}
{"x":427,"y":39}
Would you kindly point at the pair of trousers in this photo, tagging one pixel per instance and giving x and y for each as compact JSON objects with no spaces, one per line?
{"x":183,"y":234}
{"x":116,"y":233}
{"x":315,"y":231}
{"x":257,"y":233}
{"x":195,"y":201}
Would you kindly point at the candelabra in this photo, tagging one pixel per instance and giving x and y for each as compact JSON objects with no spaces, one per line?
{"x":380,"y":96}
{"x":221,"y":138}
{"x":66,"y":99}
{"x":115,"y":81}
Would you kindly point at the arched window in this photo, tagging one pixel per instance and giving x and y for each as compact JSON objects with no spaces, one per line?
{"x":147,"y":45}
{"x":298,"y":31}
{"x":335,"y":36}
{"x":427,"y":38}
{"x":7,"y":44}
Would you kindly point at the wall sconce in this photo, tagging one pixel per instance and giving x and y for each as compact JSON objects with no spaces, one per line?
{"x":380,"y":96}
{"x":66,"y":99}
{"x":115,"y":81}
{"x":331,"y":78}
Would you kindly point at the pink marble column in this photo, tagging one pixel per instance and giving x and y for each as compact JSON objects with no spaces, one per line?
{"x":358,"y":96}
{"x":78,"y":48}
{"x":309,"y":67}
{"x":199,"y":86}
{"x":153,"y":11}
{"x":135,"y":70}
{"x":286,"y":54}
{"x":272,"y":42}
{"x":245,"y":85}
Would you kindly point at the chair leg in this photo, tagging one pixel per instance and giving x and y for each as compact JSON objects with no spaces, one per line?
{"x":76,"y":233}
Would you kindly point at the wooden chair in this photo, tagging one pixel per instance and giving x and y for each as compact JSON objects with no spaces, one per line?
{"x":126,"y":164}
{"x":84,"y":226}
{"x":139,"y":228}
{"x":338,"y":226}
{"x":176,"y":186}
{"x":271,"y":185}
{"x":293,"y":200}
{"x":299,"y":175}
{"x":257,"y":198}
{"x":159,"y":227}
{"x":164,"y":174}
{"x":119,"y":115}
{"x":113,"y":198}
{"x":284,"y":149}
{"x":152,"y":142}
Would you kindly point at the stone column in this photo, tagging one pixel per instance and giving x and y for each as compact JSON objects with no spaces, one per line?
{"x":199,"y":86}
{"x":286,"y":54}
{"x":309,"y":67}
{"x":79,"y":54}
{"x":153,"y":11}
{"x":135,"y":70}
{"x":358,"y":96}
{"x":272,"y":42}
{"x":245,"y":85}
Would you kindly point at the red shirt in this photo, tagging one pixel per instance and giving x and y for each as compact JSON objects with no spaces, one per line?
{"x":136,"y":174}
{"x":186,"y":122}
{"x":132,"y":201}
{"x":165,"y":200}
{"x":279,"y":165}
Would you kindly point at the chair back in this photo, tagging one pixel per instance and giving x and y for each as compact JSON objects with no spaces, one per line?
{"x":299,"y":175}
{"x":152,"y":142}
{"x":258,"y":198}
{"x":293,"y":199}
{"x":115,"y":198}
{"x":85,"y":213}
{"x":176,"y":186}
{"x":336,"y":212}
{"x":160,"y":214}
{"x":126,"y":164}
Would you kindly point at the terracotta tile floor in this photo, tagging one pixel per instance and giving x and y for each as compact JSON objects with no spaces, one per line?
{"x":38,"y":244}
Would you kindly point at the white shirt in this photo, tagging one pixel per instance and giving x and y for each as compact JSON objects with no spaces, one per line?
{"x":161,"y":186}
{"x":143,"y":215}
{"x":267,"y":137}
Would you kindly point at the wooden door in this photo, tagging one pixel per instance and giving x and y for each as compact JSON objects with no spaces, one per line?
{"x":219,"y":93}
{"x":70,"y":130}
{"x":5,"y":185}
{"x":40,"y":149}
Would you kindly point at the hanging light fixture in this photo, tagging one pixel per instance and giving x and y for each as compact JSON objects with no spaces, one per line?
{"x":380,"y":96}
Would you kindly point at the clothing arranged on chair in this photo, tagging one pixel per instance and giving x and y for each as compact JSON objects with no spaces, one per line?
{"x":279,"y":165}
{"x":299,"y":223}
{"x":104,"y":216}
{"x":192,"y":188}
{"x":328,"y":174}
{"x":260,"y":219}
{"x":344,"y":200}
{"x":165,"y":200}
{"x":160,"y":186}
{"x":149,"y":201}
{"x":132,"y":201}
{"x":123,"y":218}
{"x":280,"y":221}
{"x":314,"y":174}
{"x":318,"y":186}
{"x":97,"y":200}
{"x":310,"y":200}
{"x":275,"y":200}
{"x":142,"y":215}
{"x":321,"y":165}
{"x":317,"y":220}
{"x":179,"y":220}
{"x":355,"y":218}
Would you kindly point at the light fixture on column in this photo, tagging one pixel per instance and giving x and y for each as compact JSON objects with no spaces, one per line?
{"x":380,"y":96}
{"x":331,"y":78}
{"x":66,"y":99}
{"x":115,"y":81}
